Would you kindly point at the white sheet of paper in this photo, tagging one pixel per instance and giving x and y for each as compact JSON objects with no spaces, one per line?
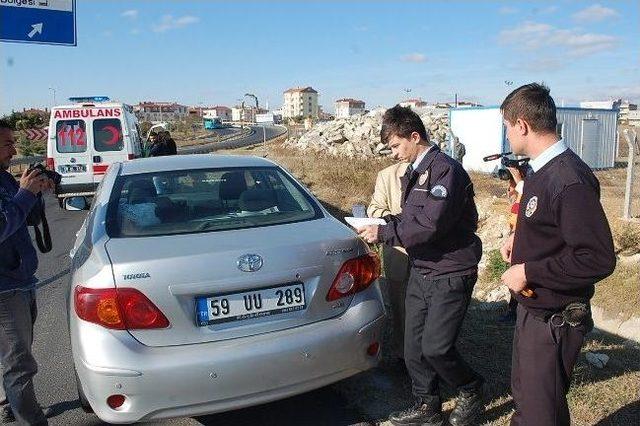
{"x":358,"y":222}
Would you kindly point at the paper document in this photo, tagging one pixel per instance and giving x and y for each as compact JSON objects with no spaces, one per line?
{"x":358,"y":222}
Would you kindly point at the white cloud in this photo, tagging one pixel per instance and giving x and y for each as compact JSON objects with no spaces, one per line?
{"x":168,"y":22}
{"x":595,"y":13}
{"x":507,"y":10}
{"x":131,"y":13}
{"x":415,"y":58}
{"x":535,"y":36}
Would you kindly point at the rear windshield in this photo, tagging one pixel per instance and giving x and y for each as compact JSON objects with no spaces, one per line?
{"x":204,"y":200}
{"x":107,"y":135}
{"x":71,"y":136}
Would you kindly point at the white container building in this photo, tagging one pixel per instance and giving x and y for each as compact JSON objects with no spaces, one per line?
{"x":590,"y":133}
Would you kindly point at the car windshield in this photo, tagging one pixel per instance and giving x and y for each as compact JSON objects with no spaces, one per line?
{"x":203,"y":200}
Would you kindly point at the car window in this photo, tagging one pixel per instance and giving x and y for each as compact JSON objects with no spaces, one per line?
{"x":107,"y":135}
{"x":206,"y":200}
{"x":71,"y":136}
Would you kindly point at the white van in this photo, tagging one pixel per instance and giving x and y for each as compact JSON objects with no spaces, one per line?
{"x":85,"y":138}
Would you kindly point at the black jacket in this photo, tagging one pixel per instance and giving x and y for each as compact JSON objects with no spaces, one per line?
{"x":438,"y":220}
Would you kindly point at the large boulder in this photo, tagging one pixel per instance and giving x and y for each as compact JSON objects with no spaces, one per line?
{"x":359,"y":135}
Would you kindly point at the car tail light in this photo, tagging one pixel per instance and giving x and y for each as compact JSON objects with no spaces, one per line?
{"x":119,"y":309}
{"x":115,"y":401}
{"x":355,"y":275}
{"x":51,"y":165}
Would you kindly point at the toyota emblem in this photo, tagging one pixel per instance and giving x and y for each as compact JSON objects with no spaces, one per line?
{"x":250,"y":262}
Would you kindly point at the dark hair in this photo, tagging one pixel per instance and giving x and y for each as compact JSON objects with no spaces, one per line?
{"x":164,"y":135}
{"x":4,"y":124}
{"x":533,"y":104}
{"x":401,"y":122}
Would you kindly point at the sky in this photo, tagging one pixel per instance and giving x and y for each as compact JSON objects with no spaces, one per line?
{"x":213,"y":52}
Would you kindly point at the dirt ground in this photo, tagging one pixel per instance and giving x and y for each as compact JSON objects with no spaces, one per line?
{"x":608,"y":396}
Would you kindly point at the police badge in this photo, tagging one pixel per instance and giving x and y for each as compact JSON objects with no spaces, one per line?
{"x":532,"y":205}
{"x":423,"y":178}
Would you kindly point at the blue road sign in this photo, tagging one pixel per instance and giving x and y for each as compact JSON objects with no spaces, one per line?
{"x":38,"y":21}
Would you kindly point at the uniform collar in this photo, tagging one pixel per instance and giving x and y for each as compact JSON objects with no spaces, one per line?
{"x":547,"y":155}
{"x":424,"y":160}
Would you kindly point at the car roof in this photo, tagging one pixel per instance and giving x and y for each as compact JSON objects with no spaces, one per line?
{"x":191,"y":161}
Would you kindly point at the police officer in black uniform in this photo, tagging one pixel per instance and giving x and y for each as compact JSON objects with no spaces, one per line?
{"x":437,"y":228}
{"x":561,"y":247}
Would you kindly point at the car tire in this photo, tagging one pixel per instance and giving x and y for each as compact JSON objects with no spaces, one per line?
{"x":84,"y":403}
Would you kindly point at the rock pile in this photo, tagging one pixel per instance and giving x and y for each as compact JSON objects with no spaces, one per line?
{"x":359,"y":136}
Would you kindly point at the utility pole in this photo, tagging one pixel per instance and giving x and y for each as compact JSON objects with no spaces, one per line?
{"x":632,"y":141}
{"x":54,"y":95}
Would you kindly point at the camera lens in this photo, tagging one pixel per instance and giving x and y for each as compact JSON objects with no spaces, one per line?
{"x":504,"y":174}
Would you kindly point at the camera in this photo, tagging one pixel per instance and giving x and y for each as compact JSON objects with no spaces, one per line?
{"x":54,"y":176}
{"x":505,"y":161}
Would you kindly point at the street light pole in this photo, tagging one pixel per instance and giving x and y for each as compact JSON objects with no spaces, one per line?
{"x":54,"y":95}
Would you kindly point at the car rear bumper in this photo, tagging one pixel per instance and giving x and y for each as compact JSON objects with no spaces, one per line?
{"x":196,"y":379}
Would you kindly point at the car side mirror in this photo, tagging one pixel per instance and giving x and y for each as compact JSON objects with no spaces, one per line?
{"x":75,"y":203}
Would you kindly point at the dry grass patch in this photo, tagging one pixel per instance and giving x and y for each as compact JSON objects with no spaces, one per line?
{"x":618,"y":294}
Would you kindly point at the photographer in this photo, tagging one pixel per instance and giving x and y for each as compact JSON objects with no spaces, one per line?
{"x":18,"y":263}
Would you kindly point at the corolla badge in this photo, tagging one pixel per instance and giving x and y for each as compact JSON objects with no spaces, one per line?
{"x":249,"y":262}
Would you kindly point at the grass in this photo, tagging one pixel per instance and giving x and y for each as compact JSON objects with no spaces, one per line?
{"x":609,"y":396}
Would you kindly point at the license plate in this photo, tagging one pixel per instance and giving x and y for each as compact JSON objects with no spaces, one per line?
{"x":250,"y":304}
{"x":72,"y":168}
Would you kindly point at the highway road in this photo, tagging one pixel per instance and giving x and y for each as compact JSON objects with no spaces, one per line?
{"x":55,"y":383}
{"x":255,"y":135}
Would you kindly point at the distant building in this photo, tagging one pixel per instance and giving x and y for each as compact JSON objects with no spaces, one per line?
{"x":218,"y":111}
{"x":300,"y":102}
{"x":160,"y":111}
{"x":634,"y":117}
{"x":246,"y":114}
{"x":414,"y":103}
{"x":625,"y":107}
{"x":347,"y":107}
{"x":610,"y":104}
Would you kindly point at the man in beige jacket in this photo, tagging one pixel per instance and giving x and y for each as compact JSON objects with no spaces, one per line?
{"x":386,"y":200}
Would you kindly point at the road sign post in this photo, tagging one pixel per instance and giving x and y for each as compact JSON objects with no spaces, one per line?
{"x":39,"y":22}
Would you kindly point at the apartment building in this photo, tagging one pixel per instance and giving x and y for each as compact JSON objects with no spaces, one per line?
{"x":300,"y":102}
{"x":160,"y":111}
{"x":347,"y":107}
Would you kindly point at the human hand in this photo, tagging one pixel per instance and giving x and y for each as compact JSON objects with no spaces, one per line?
{"x":515,"y":173}
{"x":515,"y":278}
{"x":35,"y":181}
{"x":506,"y":248}
{"x":369,"y":233}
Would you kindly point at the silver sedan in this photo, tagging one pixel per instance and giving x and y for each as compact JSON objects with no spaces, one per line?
{"x":207,"y":283}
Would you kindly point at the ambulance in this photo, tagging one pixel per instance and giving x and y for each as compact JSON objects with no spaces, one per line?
{"x":85,"y":138}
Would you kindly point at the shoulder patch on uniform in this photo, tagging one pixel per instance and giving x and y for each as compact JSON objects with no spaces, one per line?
{"x":439,"y":191}
{"x":532,"y":206}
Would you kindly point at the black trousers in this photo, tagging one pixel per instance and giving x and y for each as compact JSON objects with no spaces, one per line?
{"x":435,"y":309}
{"x":543,"y":359}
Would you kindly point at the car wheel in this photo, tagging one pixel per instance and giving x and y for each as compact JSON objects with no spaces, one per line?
{"x":81,"y":397}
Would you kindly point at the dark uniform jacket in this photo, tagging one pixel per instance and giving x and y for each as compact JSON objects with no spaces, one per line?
{"x":438,"y":220}
{"x":18,"y":258}
{"x":563,"y":236}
